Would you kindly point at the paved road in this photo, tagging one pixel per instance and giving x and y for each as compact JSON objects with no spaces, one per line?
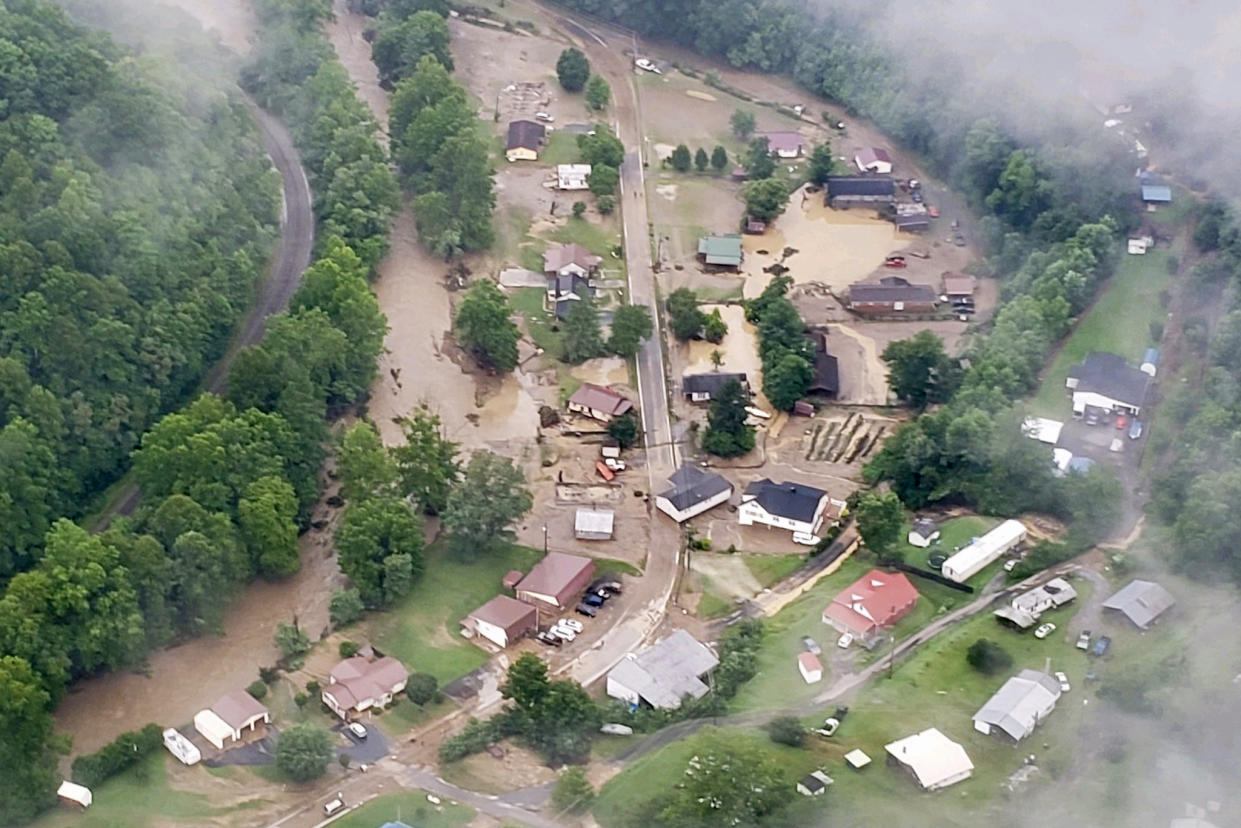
{"x":297,"y":238}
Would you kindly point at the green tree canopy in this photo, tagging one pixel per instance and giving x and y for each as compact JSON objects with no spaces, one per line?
{"x":719,"y":159}
{"x":28,"y":775}
{"x":364,"y":465}
{"x":724,"y":786}
{"x":484,"y":326}
{"x":766,"y":198}
{"x":491,"y":497}
{"x":572,"y":70}
{"x":681,"y":159}
{"x":880,"y":518}
{"x":400,"y":44}
{"x":427,"y":461}
{"x":631,"y":324}
{"x":742,"y":123}
{"x":371,"y":534}
{"x":582,"y":339}
{"x":821,"y":164}
{"x":919,"y":372}
{"x":701,"y":160}
{"x":759,"y":162}
{"x":684,"y":317}
{"x":303,"y":752}
{"x":598,"y":93}
{"x":267,"y":518}
{"x":727,"y":433}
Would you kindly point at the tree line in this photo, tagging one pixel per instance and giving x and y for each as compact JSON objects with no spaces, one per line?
{"x":228,"y":482}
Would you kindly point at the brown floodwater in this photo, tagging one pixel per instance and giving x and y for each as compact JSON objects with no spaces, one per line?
{"x":740,"y":350}
{"x":834,"y":247}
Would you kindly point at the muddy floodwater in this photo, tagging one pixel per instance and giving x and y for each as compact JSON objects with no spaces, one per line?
{"x":740,"y":350}
{"x":834,"y":247}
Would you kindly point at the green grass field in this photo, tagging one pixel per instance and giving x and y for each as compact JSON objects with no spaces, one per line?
{"x":422,"y":630}
{"x":771,"y":569}
{"x":561,"y":148}
{"x":411,"y":808}
{"x":1119,"y":321}
{"x":529,"y":303}
{"x":599,"y":239}
{"x":143,"y":795}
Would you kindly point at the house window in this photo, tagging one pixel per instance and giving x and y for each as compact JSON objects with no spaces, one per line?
{"x":900,"y":306}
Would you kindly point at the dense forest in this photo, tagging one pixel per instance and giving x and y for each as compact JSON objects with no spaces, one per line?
{"x":1052,"y":203}
{"x":227,"y":482}
{"x":135,"y":220}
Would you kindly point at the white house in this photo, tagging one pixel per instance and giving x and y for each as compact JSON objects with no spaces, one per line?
{"x":873,"y":160}
{"x":664,"y":674}
{"x":1055,"y":593}
{"x":593,"y":524}
{"x":932,"y":758}
{"x":693,"y":492}
{"x":784,"y":144}
{"x":1106,"y":381}
{"x":1023,"y":703}
{"x":599,"y":403}
{"x":810,"y":667}
{"x":230,"y":718}
{"x":789,"y":506}
{"x":356,"y":684}
{"x":572,"y":176}
{"x":923,"y":533}
{"x":982,"y":551}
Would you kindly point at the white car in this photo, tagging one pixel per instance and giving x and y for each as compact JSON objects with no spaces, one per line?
{"x":830,"y":725}
{"x":1011,"y":564}
{"x":844,"y":641}
{"x":358,"y":729}
{"x":613,"y":464}
{"x":563,"y":633}
{"x":1064,"y":682}
{"x":1044,"y":630}
{"x":571,"y":624}
{"x":544,"y":117}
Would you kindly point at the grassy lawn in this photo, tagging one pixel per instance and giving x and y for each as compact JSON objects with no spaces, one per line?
{"x":529,"y":303}
{"x":411,"y":808}
{"x":613,"y":566}
{"x":771,"y":569}
{"x":629,"y":799}
{"x":1131,"y":295}
{"x":561,"y":148}
{"x":141,"y":796}
{"x":599,"y":239}
{"x":713,"y":606}
{"x":422,"y":630}
{"x":954,"y":534}
{"x":398,"y":721}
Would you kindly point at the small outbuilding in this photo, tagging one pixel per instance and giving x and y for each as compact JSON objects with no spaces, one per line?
{"x":232,"y":716}
{"x":933,"y":759}
{"x":857,"y":759}
{"x":593,"y":524}
{"x":721,"y":251}
{"x":1142,"y":602}
{"x":512,"y":578}
{"x":1042,"y":429}
{"x":810,"y":667}
{"x":502,"y":620}
{"x":873,"y":160}
{"x":572,"y":176}
{"x":71,"y":793}
{"x":814,"y":784}
{"x":923,"y":533}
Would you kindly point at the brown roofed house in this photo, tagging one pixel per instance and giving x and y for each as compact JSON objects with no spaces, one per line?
{"x":356,"y":684}
{"x":562,"y":259}
{"x":502,"y":620}
{"x":556,"y":580}
{"x":601,"y":403}
{"x":525,"y":139}
{"x":891,"y":294}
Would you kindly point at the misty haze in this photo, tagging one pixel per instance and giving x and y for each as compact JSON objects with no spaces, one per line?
{"x":619,"y":413}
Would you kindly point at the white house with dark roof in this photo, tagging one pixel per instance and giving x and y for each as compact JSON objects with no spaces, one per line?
{"x":784,"y":143}
{"x":792,"y":506}
{"x":703,"y":387}
{"x":1019,"y":706}
{"x":693,"y":492}
{"x":599,"y":403}
{"x":664,"y":674}
{"x":1107,"y":381}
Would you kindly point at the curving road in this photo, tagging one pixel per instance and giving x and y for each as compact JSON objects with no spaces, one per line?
{"x":292,"y":257}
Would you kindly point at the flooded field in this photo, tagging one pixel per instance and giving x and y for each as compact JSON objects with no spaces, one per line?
{"x":835,"y":247}
{"x":354,"y":53}
{"x":740,"y":350}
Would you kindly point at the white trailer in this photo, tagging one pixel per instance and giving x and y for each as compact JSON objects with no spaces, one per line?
{"x":181,"y":747}
{"x":982,"y":551}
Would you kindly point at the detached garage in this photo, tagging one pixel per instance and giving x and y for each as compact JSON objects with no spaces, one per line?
{"x":230,"y":718}
{"x":593,"y":524}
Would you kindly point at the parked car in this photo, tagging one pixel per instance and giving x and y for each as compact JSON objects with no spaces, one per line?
{"x":830,"y":725}
{"x":592,"y":600}
{"x":1064,"y":682}
{"x":1122,"y":421}
{"x":1083,"y":640}
{"x":1092,"y":415}
{"x":571,"y":623}
{"x":358,"y":729}
{"x":613,"y":464}
{"x":810,"y":645}
{"x":587,"y":610}
{"x":1101,"y":646}
{"x":1135,"y":430}
{"x":1011,"y":564}
{"x":549,"y":639}
{"x":844,"y":641}
{"x":334,"y":805}
{"x":1044,"y":630}
{"x":563,"y":633}
{"x":1117,"y":444}
{"x":544,"y":117}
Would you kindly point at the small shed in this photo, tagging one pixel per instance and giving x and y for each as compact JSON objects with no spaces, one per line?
{"x":72,"y":793}
{"x":924,"y":533}
{"x":593,"y":524}
{"x":810,"y":667}
{"x":857,"y":759}
{"x":722,"y":251}
{"x":814,"y":783}
{"x":512,"y":578}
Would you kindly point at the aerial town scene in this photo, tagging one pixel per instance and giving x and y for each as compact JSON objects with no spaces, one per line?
{"x":612,"y":413}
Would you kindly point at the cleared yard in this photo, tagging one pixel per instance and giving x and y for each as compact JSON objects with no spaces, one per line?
{"x":771,"y":569}
{"x":422,"y":630}
{"x":1119,"y":321}
{"x":412,"y":807}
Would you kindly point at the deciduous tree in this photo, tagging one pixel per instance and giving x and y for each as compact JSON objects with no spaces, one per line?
{"x":267,"y":518}
{"x":681,"y":159}
{"x":684,"y":317}
{"x":582,"y":339}
{"x":631,"y":324}
{"x":765,"y":198}
{"x":371,"y":532}
{"x":742,"y":123}
{"x":727,"y":433}
{"x":426,"y":461}
{"x":491,"y":497}
{"x":303,"y":752}
{"x":484,"y":326}
{"x":880,"y":518}
{"x":598,"y":93}
{"x":363,"y":464}
{"x":572,"y":70}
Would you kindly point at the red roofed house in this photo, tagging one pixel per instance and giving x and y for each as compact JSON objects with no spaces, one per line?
{"x":600,"y":403}
{"x":873,"y":160}
{"x":810,"y":667}
{"x":784,"y":144}
{"x":872,"y":602}
{"x":557,"y":580}
{"x":357,"y":684}
{"x":502,"y":620}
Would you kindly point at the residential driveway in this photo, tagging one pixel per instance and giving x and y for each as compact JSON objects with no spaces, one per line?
{"x":362,"y":751}
{"x":262,"y":752}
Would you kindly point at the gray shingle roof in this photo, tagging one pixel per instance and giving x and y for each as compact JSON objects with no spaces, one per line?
{"x":1110,"y":375}
{"x":790,"y":500}
{"x":708,"y":383}
{"x":528,"y":134}
{"x":692,"y":485}
{"x":1141,"y":601}
{"x":667,"y":672}
{"x":860,"y":185}
{"x":891,"y":289}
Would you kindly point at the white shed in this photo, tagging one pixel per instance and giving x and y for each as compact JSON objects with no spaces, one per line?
{"x":810,"y":667}
{"x":593,"y":524}
{"x":75,"y":794}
